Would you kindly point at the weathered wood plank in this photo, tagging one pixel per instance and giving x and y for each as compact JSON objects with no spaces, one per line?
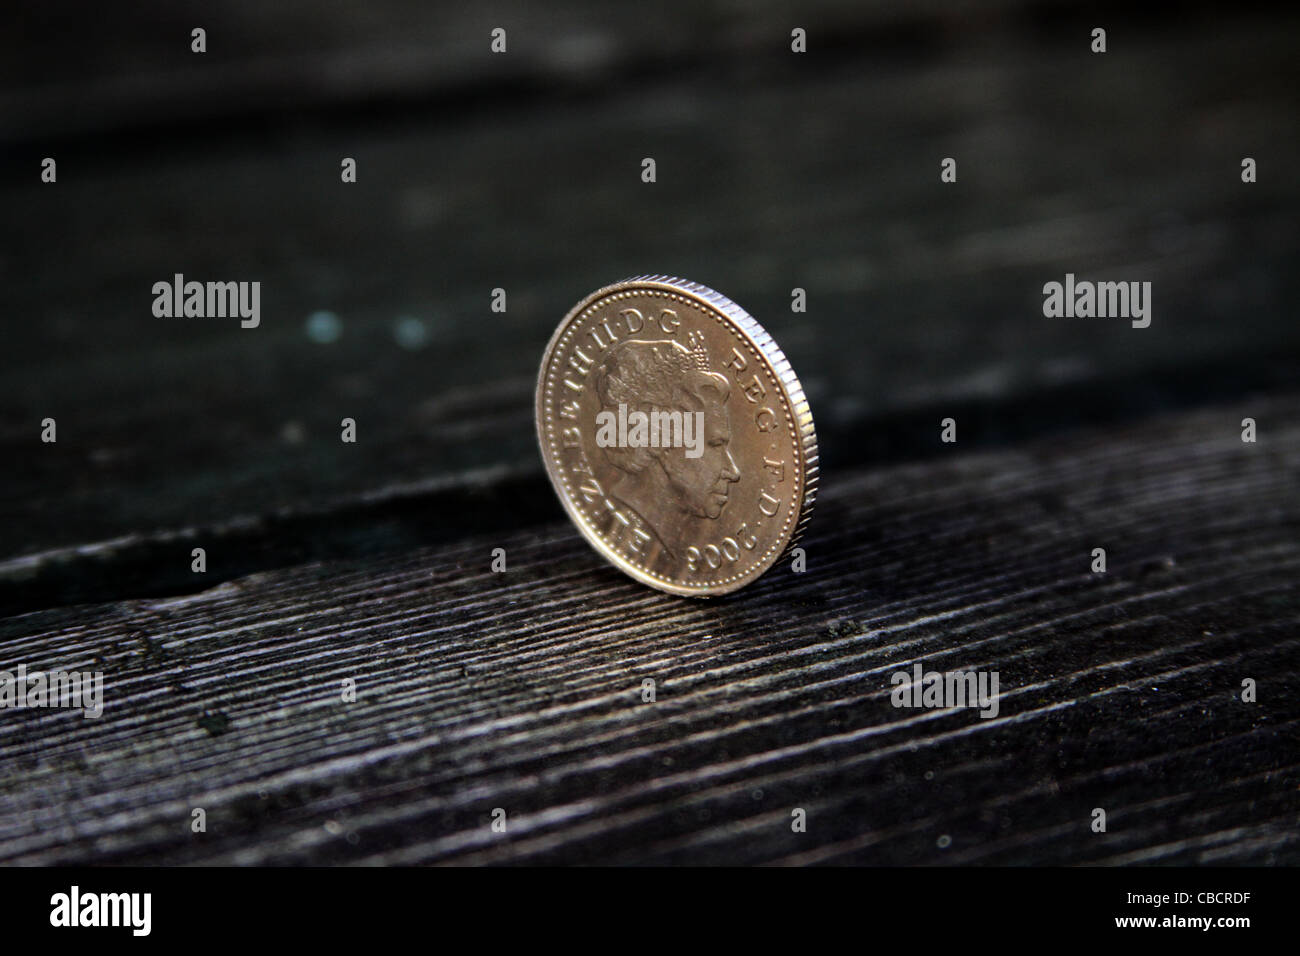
{"x":923,"y":301}
{"x":522,"y":690}
{"x":85,"y":72}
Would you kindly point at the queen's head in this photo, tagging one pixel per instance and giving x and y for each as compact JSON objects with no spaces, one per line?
{"x":666,"y":376}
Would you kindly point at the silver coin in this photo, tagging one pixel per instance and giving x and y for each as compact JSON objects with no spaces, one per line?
{"x":676,"y":435}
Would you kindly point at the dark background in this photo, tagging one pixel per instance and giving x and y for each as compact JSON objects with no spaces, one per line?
{"x":522,"y":171}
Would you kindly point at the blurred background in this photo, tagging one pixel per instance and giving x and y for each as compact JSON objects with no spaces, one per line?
{"x":521,"y":171}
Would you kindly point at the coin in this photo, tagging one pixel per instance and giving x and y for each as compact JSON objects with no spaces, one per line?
{"x":676,"y":435}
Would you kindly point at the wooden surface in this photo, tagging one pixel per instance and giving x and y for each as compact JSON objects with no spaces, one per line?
{"x":522,"y":690}
{"x":923,"y":301}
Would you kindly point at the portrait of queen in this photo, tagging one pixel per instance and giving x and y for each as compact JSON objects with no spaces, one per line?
{"x":661,"y":483}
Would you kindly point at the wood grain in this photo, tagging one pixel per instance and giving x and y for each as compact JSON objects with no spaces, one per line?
{"x":522,"y":690}
{"x":923,"y":301}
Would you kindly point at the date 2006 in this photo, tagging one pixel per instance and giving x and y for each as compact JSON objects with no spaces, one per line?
{"x":711,"y":556}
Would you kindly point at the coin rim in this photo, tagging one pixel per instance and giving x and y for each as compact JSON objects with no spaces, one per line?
{"x":787,"y":381}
